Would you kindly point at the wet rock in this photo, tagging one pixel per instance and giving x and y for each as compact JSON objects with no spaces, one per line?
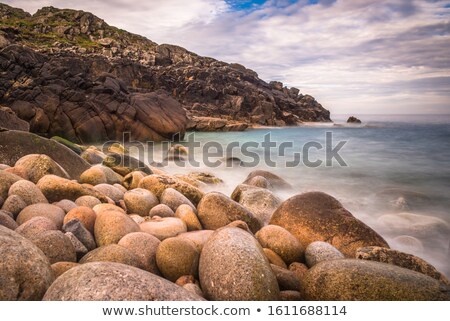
{"x":281,"y":242}
{"x":408,"y":244}
{"x":259,"y":181}
{"x":14,"y":205}
{"x":56,"y":246}
{"x":36,"y":226}
{"x":52,"y":212}
{"x":25,"y":272}
{"x":93,"y":156}
{"x":99,"y":174}
{"x":173,"y":199}
{"x":88,"y":201}
{"x":317,"y":252}
{"x":187,"y":215}
{"x":161,"y":210}
{"x":316,"y":216}
{"x":75,"y":227}
{"x":274,"y":258}
{"x":106,"y":281}
{"x":56,"y":188}
{"x":157,"y":184}
{"x":216,"y":210}
{"x":176,"y":257}
{"x":28,"y":192}
{"x":66,"y":205}
{"x":287,"y":280}
{"x":163,"y":228}
{"x":37,"y":166}
{"x":233,"y":267}
{"x":125,"y":164}
{"x":144,"y":246}
{"x":404,"y":260}
{"x":350,"y":279}
{"x":274,"y":180}
{"x":112,"y":253}
{"x":260,"y":201}
{"x":403,"y":200}
{"x":110,"y":191}
{"x":85,"y":215}
{"x":206,"y":178}
{"x":111,"y":226}
{"x":59,"y":268}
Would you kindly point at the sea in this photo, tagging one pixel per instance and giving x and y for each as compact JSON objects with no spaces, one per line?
{"x":391,"y":171}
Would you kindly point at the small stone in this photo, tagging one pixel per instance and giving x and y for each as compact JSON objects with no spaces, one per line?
{"x":173,"y":199}
{"x":164,"y":227}
{"x":185,"y":279}
{"x":66,"y":205}
{"x":36,"y":226}
{"x":299,"y":269}
{"x":85,"y":215}
{"x":7,"y":221}
{"x":274,"y":180}
{"x":14,"y":204}
{"x":274,"y":258}
{"x":37,"y":166}
{"x":107,"y":207}
{"x":287,"y":280}
{"x":75,"y":227}
{"x":99,"y":174}
{"x":144,"y":246}
{"x":111,"y":226}
{"x":290,"y":296}
{"x":110,"y":191}
{"x":161,"y":210}
{"x":317,"y":252}
{"x":79,"y":247}
{"x":56,"y":246}
{"x":259,"y":181}
{"x":112,"y":253}
{"x":131,"y":181}
{"x":59,"y":268}
{"x":88,"y":201}
{"x":187,"y":215}
{"x":176,"y":257}
{"x":52,"y":212}
{"x":198,"y":238}
{"x":140,"y":201}
{"x":194,"y":288}
{"x":28,"y":192}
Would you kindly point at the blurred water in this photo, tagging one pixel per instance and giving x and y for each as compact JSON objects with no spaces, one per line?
{"x":407,"y":153}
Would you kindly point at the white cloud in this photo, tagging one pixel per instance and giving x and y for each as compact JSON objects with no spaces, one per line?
{"x":358,"y":56}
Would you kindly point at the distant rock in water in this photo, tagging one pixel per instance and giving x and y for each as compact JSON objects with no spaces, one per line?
{"x":353,"y":120}
{"x":70,"y":74}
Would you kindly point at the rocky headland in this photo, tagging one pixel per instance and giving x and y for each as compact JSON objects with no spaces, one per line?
{"x":68,"y":73}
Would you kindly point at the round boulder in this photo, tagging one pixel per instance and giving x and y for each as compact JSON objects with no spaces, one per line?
{"x":52,"y":212}
{"x":25,"y":272}
{"x":144,"y":246}
{"x":161,"y":210}
{"x":60,"y":268}
{"x":273,"y":179}
{"x":281,"y":242}
{"x":359,"y":280}
{"x":217,"y":210}
{"x":173,"y":199}
{"x":112,"y":253}
{"x":56,"y":246}
{"x":66,"y":205}
{"x":85,"y":215}
{"x":132,"y":180}
{"x":163,"y":228}
{"x":111,"y":226}
{"x":107,"y":281}
{"x":198,"y":238}
{"x":140,"y":201}
{"x":88,"y":201}
{"x":99,"y":174}
{"x":14,"y":205}
{"x":187,"y":215}
{"x":28,"y":192}
{"x":317,"y":252}
{"x":7,"y":221}
{"x":316,"y":216}
{"x":110,"y":191}
{"x":36,"y":226}
{"x":37,"y":166}
{"x":176,"y":257}
{"x":233,"y":267}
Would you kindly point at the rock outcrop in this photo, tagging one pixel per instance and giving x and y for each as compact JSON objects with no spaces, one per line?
{"x":69,"y":74}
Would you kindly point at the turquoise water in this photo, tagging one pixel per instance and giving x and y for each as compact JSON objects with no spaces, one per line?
{"x":395,"y":164}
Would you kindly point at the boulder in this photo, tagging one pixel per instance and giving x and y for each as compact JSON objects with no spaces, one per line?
{"x":36,"y":226}
{"x":6,"y":180}
{"x":260,"y":201}
{"x":56,"y":188}
{"x":14,"y":204}
{"x":274,"y":180}
{"x":404,"y":260}
{"x":25,"y":272}
{"x":359,"y":280}
{"x":408,"y":244}
{"x":75,"y":227}
{"x":125,"y":164}
{"x":144,"y":246}
{"x":206,"y":178}
{"x":353,"y":120}
{"x":274,"y":258}
{"x":37,"y":166}
{"x":164,"y":227}
{"x":16,"y":144}
{"x":216,"y":210}
{"x":187,"y":215}
{"x":131,"y":181}
{"x":259,"y":181}
{"x":80,"y":249}
{"x":110,"y":191}
{"x":157,"y":184}
{"x":287,"y":280}
{"x":7,"y":221}
{"x":290,"y":295}
{"x":93,"y":156}
{"x":99,"y":174}
{"x":112,"y":253}
{"x":140,"y":201}
{"x":299,"y":269}
{"x":233,"y":267}
{"x":198,"y":238}
{"x":161,"y":210}
{"x":111,"y":226}
{"x":59,"y":268}
{"x":88,"y":201}
{"x":66,"y":205}
{"x":8,"y":118}
{"x":85,"y":215}
{"x":56,"y":246}
{"x":176,"y":257}
{"x":52,"y":212}
{"x":107,"y":207}
{"x":317,"y":252}
{"x":281,"y":242}
{"x":107,"y":281}
{"x":172,"y":198}
{"x":28,"y":192}
{"x":316,"y":216}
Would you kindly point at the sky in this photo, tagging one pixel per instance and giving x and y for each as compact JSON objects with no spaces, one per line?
{"x":353,"y":56}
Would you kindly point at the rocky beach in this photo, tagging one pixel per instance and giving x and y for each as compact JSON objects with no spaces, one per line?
{"x":82,"y":221}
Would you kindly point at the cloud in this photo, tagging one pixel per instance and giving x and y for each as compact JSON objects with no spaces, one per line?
{"x":358,"y":56}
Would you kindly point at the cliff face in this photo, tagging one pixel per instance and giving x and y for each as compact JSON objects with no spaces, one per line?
{"x":68,"y":73}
